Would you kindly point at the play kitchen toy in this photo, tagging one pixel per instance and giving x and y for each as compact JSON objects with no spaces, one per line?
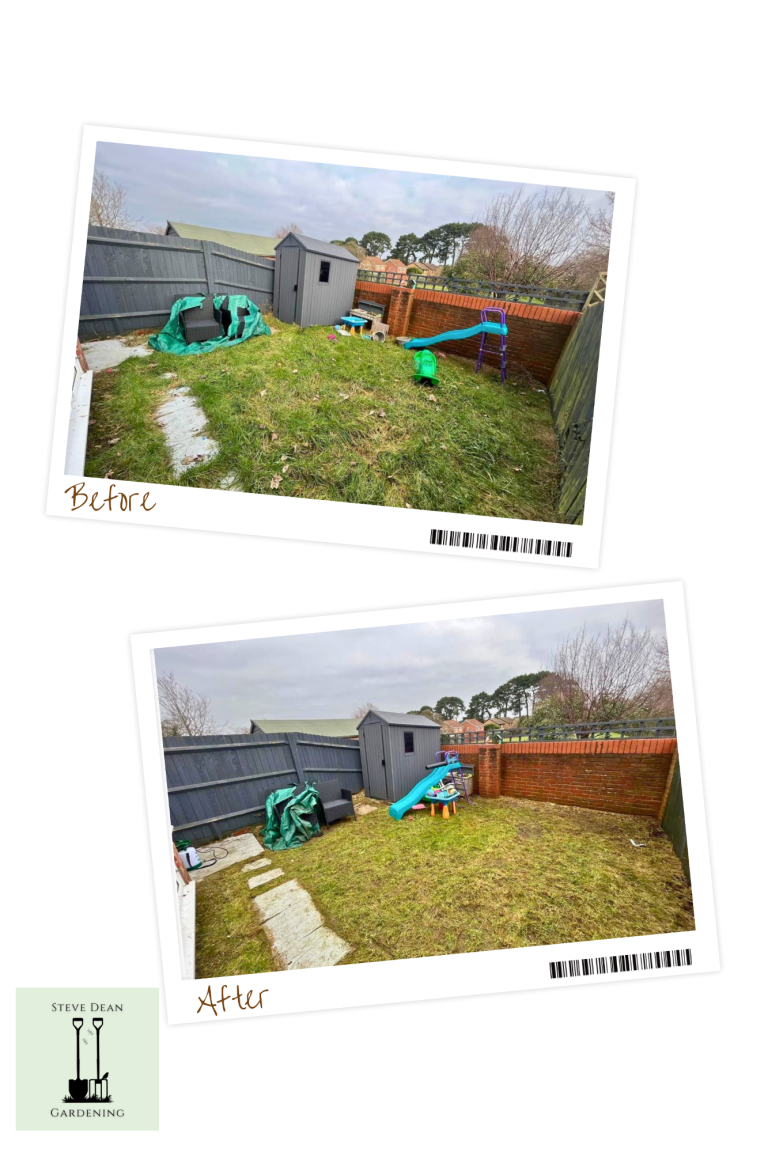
{"x":78,"y":1089}
{"x":99,"y":1089}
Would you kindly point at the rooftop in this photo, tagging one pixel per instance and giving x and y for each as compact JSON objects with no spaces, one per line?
{"x":245,"y":241}
{"x":342,"y":728}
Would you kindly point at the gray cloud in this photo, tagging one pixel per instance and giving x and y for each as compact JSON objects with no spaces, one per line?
{"x":257,"y":195}
{"x":399,"y":667}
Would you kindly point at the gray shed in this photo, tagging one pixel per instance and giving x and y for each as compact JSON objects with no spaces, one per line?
{"x":396,"y":748}
{"x":314,"y":281}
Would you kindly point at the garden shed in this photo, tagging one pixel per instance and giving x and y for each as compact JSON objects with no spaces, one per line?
{"x":314,"y":281}
{"x":395,"y":750}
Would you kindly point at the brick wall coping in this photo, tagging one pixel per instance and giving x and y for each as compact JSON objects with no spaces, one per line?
{"x":527,"y":311}
{"x":573,"y":747}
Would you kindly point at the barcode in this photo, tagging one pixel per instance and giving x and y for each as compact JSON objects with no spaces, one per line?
{"x":488,"y":540}
{"x":636,"y":962}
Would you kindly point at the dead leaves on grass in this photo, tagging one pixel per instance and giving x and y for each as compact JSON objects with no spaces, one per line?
{"x":276,"y":481}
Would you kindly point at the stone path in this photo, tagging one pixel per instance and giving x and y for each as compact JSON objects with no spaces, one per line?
{"x":257,"y":864}
{"x":183,"y":425}
{"x":101,"y":354}
{"x":296,"y":930}
{"x":238,"y":848}
{"x":265,"y":877}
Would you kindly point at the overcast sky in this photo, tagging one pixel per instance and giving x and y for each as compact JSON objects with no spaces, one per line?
{"x":256,"y":195}
{"x":398,"y":668}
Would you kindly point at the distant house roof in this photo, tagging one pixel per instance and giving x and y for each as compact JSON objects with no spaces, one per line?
{"x":258,"y":245}
{"x":322,"y":247}
{"x":342,"y":728}
{"x":399,"y":266}
{"x":471,"y":725}
{"x":409,"y":719}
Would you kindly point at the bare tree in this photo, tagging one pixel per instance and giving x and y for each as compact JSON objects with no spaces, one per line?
{"x":184,"y":712}
{"x":363,"y":710}
{"x":531,"y":238}
{"x":620,"y":674}
{"x":109,"y":207}
{"x":593,"y":261}
{"x":108,"y":203}
{"x":286,"y":228}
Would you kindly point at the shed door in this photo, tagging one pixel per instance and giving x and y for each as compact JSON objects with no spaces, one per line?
{"x":374,"y":752}
{"x":289,"y":285}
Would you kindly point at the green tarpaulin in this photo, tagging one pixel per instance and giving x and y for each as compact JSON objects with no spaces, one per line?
{"x":171,"y":339}
{"x":292,"y":828}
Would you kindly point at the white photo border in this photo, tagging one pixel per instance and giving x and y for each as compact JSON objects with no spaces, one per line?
{"x":327,"y":521}
{"x":395,"y":981}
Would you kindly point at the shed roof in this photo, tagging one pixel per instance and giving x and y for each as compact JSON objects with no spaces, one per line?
{"x":346,"y":728}
{"x":407,"y":719}
{"x":322,"y":247}
{"x":245,"y":241}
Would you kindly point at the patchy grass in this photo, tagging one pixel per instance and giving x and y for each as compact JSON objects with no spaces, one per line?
{"x":501,"y":874}
{"x":337,"y":420}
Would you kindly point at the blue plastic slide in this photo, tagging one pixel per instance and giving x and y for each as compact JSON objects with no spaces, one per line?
{"x":418,"y":792}
{"x":459,"y":334}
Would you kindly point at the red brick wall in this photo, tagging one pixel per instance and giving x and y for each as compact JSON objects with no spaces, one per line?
{"x":612,"y":775}
{"x":536,"y":335}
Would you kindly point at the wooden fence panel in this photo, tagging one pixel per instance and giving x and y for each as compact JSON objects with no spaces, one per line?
{"x":572,"y":396}
{"x":217,"y":784}
{"x":131,"y":279}
{"x":674,"y":821}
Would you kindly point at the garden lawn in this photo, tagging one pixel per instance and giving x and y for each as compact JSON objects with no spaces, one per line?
{"x":296,"y":414}
{"x":501,"y":874}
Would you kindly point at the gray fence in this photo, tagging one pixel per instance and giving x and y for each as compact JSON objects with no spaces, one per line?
{"x":674,"y":821}
{"x":217,"y":784}
{"x":572,"y":396}
{"x":131,"y":279}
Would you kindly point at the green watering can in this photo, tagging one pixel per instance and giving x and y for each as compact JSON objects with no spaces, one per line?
{"x":425,"y":365}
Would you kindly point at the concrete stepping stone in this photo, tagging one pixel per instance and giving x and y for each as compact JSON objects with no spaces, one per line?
{"x":265,"y":877}
{"x":322,"y":949}
{"x":238,"y":849}
{"x":183,"y":425}
{"x":296,"y":930}
{"x":256,"y":864}
{"x":269,"y":904}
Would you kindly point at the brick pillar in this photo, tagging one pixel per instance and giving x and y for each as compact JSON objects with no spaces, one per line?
{"x":399,"y":311}
{"x":81,"y":357}
{"x":489,"y":771}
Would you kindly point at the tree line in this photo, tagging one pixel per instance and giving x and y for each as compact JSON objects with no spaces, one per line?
{"x":443,"y":245}
{"x":620,"y":673}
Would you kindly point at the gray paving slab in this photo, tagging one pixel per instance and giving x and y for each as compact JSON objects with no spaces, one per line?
{"x":321,"y":949}
{"x":256,"y":864}
{"x":101,"y":354}
{"x":184,"y":425}
{"x":265,"y":877}
{"x":288,"y":931}
{"x":278,"y":899}
{"x":238,"y":849}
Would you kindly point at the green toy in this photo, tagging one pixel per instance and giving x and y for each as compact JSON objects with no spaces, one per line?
{"x":425,"y":364}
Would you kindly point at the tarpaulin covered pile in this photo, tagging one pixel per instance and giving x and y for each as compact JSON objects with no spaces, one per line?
{"x":171,"y":339}
{"x":290,"y":826}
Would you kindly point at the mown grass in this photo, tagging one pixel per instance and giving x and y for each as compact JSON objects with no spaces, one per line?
{"x":337,"y":420}
{"x":501,"y":874}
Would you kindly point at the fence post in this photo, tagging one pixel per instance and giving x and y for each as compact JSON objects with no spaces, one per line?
{"x":293,"y":745}
{"x":208,"y":261}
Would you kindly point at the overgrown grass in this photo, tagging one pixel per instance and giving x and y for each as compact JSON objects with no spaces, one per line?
{"x":501,"y":874}
{"x":337,"y":420}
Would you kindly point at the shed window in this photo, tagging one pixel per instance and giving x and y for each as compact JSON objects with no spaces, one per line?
{"x":408,"y":740}
{"x":325,"y":271}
